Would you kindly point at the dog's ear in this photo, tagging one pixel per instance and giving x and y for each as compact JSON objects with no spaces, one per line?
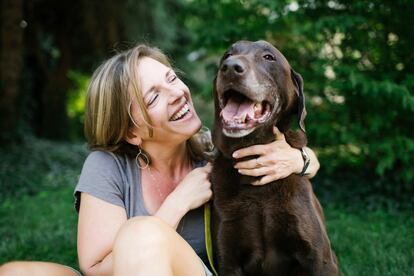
{"x":215,"y":97}
{"x":298,"y":84}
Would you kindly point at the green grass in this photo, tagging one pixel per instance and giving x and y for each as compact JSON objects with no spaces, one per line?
{"x":372,"y":243}
{"x":37,"y":215}
{"x":40,"y":227}
{"x":38,"y":220}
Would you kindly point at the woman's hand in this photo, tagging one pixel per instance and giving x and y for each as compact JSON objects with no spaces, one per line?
{"x":192,"y":192}
{"x":195,"y":189}
{"x":276,"y":160}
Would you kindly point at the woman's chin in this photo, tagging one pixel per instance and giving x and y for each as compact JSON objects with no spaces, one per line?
{"x":179,"y":131}
{"x":192,"y":127}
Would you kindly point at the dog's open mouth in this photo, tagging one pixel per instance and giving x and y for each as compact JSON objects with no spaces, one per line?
{"x":241,"y":115}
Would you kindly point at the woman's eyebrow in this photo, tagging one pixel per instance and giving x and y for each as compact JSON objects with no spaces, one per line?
{"x":149,"y":91}
{"x":169,"y":72}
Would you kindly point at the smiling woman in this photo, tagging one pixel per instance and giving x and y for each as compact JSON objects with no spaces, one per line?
{"x":168,"y":104}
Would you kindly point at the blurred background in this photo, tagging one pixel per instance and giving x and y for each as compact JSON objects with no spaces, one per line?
{"x":357,"y":61}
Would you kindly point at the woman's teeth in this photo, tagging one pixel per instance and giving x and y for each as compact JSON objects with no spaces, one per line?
{"x":181,"y":113}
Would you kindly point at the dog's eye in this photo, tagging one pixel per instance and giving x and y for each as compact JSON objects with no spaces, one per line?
{"x":226,"y":56}
{"x":269,"y":57}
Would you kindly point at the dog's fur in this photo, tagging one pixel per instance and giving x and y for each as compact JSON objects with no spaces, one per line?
{"x":278,"y":228}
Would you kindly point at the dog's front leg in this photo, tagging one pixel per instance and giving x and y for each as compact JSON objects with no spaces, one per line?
{"x":319,"y":259}
{"x":326,"y":263}
{"x":320,"y":262}
{"x":229,"y":260}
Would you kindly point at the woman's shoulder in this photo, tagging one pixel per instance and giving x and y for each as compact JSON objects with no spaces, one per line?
{"x":107,"y":165}
{"x":100,"y":156}
{"x":104,"y":159}
{"x":104,"y":177}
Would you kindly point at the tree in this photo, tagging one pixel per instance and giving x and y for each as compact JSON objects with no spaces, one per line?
{"x":61,"y":36}
{"x":357,"y":60}
{"x":11,"y":44}
{"x":66,"y":36}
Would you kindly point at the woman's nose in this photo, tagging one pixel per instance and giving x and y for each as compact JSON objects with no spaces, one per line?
{"x":175,"y":94}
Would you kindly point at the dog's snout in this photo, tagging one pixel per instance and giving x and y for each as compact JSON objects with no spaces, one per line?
{"x":233,"y":66}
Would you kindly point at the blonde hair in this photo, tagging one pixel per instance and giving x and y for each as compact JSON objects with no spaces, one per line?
{"x":107,"y":117}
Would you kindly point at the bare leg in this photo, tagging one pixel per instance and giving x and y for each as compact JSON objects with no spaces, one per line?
{"x":149,"y":246}
{"x":35,"y":269}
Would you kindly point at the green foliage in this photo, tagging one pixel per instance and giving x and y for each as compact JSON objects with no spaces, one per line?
{"x":37,"y":165}
{"x":370,"y":88}
{"x":37,"y":214}
{"x":357,"y":63}
{"x":76,"y":102}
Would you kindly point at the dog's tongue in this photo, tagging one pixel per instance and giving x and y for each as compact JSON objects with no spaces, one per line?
{"x":237,"y":110}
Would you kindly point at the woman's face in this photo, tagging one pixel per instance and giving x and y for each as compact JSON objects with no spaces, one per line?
{"x":168,"y":103}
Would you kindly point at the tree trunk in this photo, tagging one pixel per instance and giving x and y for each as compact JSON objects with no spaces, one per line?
{"x":11,"y":44}
{"x":54,"y":98}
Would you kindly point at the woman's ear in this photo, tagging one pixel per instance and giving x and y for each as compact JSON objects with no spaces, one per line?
{"x":133,"y":137}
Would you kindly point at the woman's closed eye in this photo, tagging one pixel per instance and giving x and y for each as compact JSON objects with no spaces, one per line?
{"x":152,"y":99}
{"x":172,"y":78}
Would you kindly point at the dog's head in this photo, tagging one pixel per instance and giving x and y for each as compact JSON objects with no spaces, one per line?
{"x":255,"y":89}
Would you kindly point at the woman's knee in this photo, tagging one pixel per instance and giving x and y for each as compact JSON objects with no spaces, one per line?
{"x":11,"y":269}
{"x":139,"y":232}
{"x":32,"y":268}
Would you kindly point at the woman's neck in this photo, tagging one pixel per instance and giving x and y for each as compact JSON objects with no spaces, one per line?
{"x":167,"y":160}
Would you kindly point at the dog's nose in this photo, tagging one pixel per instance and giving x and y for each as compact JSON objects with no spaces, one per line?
{"x":233,"y":66}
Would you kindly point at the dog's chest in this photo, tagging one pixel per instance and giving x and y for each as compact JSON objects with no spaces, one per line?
{"x":258,"y":222}
{"x":236,"y":200}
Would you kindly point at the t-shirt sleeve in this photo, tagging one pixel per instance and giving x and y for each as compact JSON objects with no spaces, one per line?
{"x":101,"y":177}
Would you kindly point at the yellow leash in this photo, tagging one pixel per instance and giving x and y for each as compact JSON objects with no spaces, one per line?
{"x":207,"y":231}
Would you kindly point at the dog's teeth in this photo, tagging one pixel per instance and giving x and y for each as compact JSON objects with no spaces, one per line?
{"x":241,"y":120}
{"x":258,"y":108}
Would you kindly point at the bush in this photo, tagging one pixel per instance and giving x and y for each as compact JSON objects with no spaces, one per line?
{"x":357,"y":64}
{"x":37,"y":165}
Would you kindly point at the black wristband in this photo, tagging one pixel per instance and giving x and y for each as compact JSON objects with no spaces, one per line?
{"x":306,"y":161}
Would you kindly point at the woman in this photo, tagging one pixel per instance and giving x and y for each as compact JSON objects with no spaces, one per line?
{"x":141,"y":190}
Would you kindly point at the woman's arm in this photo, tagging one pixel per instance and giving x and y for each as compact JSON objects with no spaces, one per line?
{"x":276,"y":160}
{"x":98,"y":224}
{"x":100,"y":221}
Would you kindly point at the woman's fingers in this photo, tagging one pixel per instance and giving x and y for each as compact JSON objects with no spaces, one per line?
{"x":260,"y":149}
{"x":253,"y":163}
{"x":266,"y":175}
{"x":279,"y":135}
{"x":252,"y":150}
{"x":266,"y":179}
{"x":255,"y":172}
{"x":195,"y":189}
{"x":249,"y":164}
{"x":273,"y":161}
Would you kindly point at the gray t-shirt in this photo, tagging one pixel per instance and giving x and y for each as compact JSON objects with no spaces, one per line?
{"x":116,"y":179}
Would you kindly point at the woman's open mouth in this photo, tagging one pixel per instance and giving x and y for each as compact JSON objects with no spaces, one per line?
{"x":241,"y":115}
{"x":181,"y":113}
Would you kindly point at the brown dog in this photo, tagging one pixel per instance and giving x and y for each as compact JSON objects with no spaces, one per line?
{"x":278,"y":228}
